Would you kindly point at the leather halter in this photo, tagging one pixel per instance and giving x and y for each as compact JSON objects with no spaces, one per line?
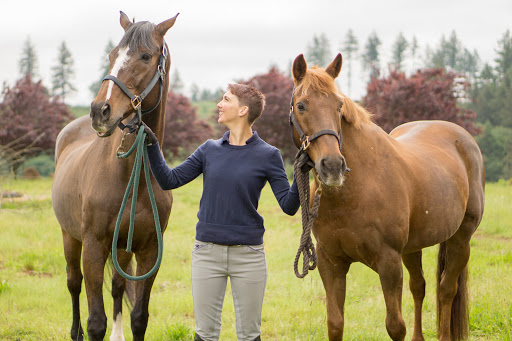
{"x":304,"y":139}
{"x":136,"y":101}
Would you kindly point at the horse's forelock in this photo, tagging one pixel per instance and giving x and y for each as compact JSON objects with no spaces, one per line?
{"x":138,"y":35}
{"x":316,"y":79}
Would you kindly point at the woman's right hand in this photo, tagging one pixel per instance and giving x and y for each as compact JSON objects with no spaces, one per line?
{"x":150,"y":137}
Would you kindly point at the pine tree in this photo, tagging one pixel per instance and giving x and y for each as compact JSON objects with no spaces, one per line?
{"x":350,"y":48}
{"x":414,"y":50}
{"x":176,"y":85}
{"x":62,"y":73}
{"x":399,"y":48}
{"x":371,"y":54}
{"x":318,"y":52}
{"x":504,"y":51}
{"x":28,"y":61}
{"x":94,"y":88}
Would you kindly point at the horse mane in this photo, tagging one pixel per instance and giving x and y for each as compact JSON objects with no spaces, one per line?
{"x":139,"y":34}
{"x":317,"y":79}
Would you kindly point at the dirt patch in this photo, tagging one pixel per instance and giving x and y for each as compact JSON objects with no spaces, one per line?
{"x":37,"y":273}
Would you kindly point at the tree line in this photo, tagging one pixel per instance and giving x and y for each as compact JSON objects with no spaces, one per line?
{"x":449,"y":82}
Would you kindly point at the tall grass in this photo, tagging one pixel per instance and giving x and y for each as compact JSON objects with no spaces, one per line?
{"x":35,"y":303}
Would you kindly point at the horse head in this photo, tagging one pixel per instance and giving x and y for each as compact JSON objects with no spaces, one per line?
{"x":137,"y":63}
{"x":317,"y":119}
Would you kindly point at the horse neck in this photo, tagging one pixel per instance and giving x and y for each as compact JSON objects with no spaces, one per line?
{"x":156,"y":119}
{"x":364,"y":145}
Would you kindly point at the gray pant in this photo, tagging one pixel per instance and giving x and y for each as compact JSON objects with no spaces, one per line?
{"x":246,"y":267}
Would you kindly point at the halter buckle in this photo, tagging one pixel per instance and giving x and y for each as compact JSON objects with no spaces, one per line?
{"x":306,"y":143}
{"x":136,"y":102}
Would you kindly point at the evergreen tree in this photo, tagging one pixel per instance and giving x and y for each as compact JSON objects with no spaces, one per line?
{"x":62,"y":73}
{"x":414,"y":51}
{"x":371,"y":54}
{"x":28,"y":61}
{"x":399,"y":48}
{"x":194,"y":91}
{"x":470,"y":64}
{"x":452,"y":51}
{"x":94,"y":88}
{"x":318,"y":52}
{"x":350,"y":48}
{"x":504,"y":51}
{"x":176,"y":85}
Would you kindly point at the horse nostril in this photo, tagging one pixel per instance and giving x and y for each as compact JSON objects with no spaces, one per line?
{"x":344,"y":167}
{"x":105,"y":111}
{"x":100,"y":111}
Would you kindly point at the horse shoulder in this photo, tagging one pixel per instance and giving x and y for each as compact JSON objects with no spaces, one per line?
{"x":77,"y":131}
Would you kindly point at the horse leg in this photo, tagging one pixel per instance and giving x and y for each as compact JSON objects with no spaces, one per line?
{"x":389,"y":268}
{"x":334,"y":278}
{"x":72,"y":253}
{"x":417,"y":285}
{"x":94,"y":257}
{"x":140,"y":313}
{"x":118,"y":290}
{"x":452,"y":291}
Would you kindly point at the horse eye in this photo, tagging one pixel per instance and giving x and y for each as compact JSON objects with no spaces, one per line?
{"x":340,"y":106}
{"x":301,"y":107}
{"x":146,"y":57}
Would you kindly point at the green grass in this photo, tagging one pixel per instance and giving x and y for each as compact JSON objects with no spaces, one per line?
{"x":205,"y":109}
{"x":78,"y":111}
{"x":35,"y":303}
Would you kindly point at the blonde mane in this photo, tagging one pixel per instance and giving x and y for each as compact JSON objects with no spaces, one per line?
{"x":317,"y":79}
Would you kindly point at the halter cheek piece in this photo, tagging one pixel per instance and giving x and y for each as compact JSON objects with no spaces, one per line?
{"x":136,"y":101}
{"x":304,"y":139}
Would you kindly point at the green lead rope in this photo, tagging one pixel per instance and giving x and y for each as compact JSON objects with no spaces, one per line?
{"x":140,"y":157}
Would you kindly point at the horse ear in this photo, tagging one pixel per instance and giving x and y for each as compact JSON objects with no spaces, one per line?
{"x":125,"y":21}
{"x":299,"y":68}
{"x":335,"y":67}
{"x":164,"y":26}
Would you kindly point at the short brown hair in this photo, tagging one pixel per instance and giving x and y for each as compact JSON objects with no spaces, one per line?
{"x":251,"y":97}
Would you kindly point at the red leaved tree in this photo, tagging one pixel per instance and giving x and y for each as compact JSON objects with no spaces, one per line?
{"x":273,"y":125}
{"x":430,"y":94}
{"x":31,"y":120}
{"x":184,"y":130}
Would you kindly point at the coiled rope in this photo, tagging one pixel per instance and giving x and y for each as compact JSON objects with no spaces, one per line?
{"x":306,"y":247}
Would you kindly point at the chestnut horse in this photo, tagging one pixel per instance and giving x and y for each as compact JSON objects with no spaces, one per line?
{"x":421,"y":185}
{"x":90,"y":181}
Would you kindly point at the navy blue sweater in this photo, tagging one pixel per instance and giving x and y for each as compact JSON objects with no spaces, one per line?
{"x":233,"y":177}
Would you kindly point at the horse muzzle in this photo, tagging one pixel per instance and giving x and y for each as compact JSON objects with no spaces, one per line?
{"x":331,"y":170}
{"x":101,"y":118}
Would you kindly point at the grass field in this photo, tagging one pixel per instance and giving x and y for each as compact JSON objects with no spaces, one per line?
{"x":35,"y":303}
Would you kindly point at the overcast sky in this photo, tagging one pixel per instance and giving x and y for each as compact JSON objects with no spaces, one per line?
{"x":216,"y":42}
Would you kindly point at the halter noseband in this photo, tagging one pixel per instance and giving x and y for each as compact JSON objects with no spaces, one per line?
{"x":304,"y":139}
{"x":136,"y":101}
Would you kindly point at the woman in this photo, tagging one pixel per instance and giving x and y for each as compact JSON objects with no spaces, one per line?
{"x":229,"y":233}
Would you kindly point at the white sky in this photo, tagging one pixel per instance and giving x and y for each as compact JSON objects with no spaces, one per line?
{"x":216,"y":42}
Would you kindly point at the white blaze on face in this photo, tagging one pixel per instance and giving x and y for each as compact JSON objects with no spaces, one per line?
{"x":122,"y":58}
{"x":117,"y":329}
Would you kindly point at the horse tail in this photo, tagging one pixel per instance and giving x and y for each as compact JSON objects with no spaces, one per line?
{"x":129,"y":291}
{"x":459,"y":319}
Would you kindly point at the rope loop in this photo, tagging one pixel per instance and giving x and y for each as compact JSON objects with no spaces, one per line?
{"x":141,"y":157}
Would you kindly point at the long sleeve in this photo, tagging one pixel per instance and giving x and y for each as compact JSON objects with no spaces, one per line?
{"x":287,"y":196}
{"x":170,"y":178}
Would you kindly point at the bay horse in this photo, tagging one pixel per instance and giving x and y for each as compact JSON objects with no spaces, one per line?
{"x":90,"y":181}
{"x":420,"y":185}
